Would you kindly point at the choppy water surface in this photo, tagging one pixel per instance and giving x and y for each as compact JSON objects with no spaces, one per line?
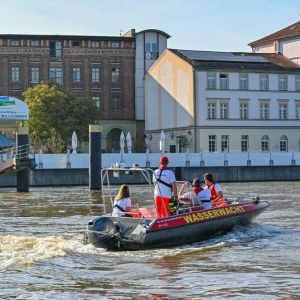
{"x":42,"y":255}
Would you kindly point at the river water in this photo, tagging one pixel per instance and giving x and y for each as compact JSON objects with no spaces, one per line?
{"x":42,"y":255}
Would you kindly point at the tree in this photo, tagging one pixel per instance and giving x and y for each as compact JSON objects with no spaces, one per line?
{"x":54,"y":114}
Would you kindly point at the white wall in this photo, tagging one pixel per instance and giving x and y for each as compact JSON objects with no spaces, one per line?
{"x":264,"y":49}
{"x":58,"y":161}
{"x":142,"y":65}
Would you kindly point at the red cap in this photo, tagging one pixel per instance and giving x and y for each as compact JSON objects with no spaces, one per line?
{"x":164,"y":160}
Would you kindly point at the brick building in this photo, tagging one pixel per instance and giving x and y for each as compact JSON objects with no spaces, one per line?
{"x":97,"y":67}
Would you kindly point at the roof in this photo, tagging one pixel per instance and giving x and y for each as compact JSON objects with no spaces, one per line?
{"x":290,"y":31}
{"x":64,"y":37}
{"x":155,"y":30}
{"x":237,"y":61}
{"x":6,"y":142}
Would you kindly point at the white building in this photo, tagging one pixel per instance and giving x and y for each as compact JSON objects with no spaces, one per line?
{"x":285,"y":41}
{"x":150,"y":44}
{"x":222,"y":101}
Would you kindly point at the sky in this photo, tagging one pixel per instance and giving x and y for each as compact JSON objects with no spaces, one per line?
{"x":212,"y":25}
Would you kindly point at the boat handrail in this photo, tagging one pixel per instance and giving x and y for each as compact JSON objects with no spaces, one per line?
{"x":146,"y":172}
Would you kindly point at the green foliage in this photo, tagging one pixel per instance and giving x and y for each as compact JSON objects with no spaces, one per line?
{"x":55,"y":144}
{"x":55,"y":114}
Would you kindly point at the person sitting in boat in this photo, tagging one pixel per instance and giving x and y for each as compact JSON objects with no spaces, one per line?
{"x":198,"y":196}
{"x":122,"y":202}
{"x":164,"y":187}
{"x":216,"y":194}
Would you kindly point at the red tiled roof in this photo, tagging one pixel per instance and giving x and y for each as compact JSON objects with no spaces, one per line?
{"x":292,"y":30}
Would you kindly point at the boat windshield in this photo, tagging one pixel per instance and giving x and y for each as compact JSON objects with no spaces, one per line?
{"x":107,"y":174}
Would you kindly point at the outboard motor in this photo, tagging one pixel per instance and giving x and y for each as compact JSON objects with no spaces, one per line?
{"x":102,"y":232}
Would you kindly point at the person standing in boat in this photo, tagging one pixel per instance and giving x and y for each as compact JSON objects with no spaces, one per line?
{"x":122,"y":202}
{"x":198,"y":196}
{"x":164,"y":187}
{"x":216,"y":194}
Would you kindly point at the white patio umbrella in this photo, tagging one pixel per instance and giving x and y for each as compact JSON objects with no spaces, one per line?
{"x":162,"y":142}
{"x":74,"y":143}
{"x":129,"y":142}
{"x":122,"y":144}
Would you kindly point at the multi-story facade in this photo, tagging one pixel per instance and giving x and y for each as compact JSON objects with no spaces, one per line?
{"x":103,"y":68}
{"x":222,"y":101}
{"x":150,"y":44}
{"x":285,"y":41}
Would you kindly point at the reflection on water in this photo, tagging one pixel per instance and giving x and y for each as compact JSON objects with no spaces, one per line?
{"x":42,"y":255}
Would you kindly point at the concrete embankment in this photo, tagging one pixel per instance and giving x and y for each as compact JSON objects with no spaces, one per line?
{"x":68,"y":177}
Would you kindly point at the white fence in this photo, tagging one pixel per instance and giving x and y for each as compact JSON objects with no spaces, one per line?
{"x":61,"y":161}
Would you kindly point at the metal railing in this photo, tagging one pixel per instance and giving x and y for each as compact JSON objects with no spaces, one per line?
{"x":19,"y":152}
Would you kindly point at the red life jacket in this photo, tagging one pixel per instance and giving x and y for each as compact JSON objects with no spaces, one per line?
{"x":213,"y":192}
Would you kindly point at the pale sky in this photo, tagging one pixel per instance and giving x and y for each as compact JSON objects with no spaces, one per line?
{"x":215,"y":25}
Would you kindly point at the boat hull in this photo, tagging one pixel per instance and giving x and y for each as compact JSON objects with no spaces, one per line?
{"x":180,"y":229}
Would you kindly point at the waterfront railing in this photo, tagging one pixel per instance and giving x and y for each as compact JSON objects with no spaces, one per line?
{"x":209,"y":159}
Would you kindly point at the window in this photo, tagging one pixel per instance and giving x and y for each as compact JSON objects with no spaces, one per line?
{"x":211,"y":81}
{"x":56,"y":75}
{"x":76,"y":44}
{"x":264,"y":111}
{"x":15,"y":74}
{"x":212,"y":145}
{"x":298,"y":83}
{"x":181,"y":144}
{"x":297,"y":111}
{"x":223,"y":81}
{"x":265,"y":143}
{"x":244,"y":143}
{"x":35,"y":74}
{"x":243,"y":82}
{"x":282,"y":83}
{"x":172,"y":148}
{"x":151,"y":47}
{"x":151,"y":51}
{"x":55,"y":49}
{"x":263,"y":82}
{"x":283,"y":143}
{"x":115,"y":45}
{"x":211,"y":111}
{"x":244,"y":110}
{"x":224,"y":110}
{"x":95,"y":75}
{"x":95,"y":44}
{"x":115,"y":74}
{"x":34,"y":43}
{"x":15,"y":43}
{"x":76,"y":75}
{"x":115,"y":103}
{"x":282,"y":111}
{"x":97,"y":100}
{"x":224,"y":143}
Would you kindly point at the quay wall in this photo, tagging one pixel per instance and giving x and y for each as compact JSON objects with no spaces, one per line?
{"x":69,"y":177}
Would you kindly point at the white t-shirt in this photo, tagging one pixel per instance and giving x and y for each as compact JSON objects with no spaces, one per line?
{"x":168,"y":177}
{"x":124,"y":203}
{"x":191,"y":196}
{"x":204,"y":197}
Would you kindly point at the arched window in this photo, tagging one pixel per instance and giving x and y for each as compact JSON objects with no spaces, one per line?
{"x":284,"y":143}
{"x":113,"y":140}
{"x":265,"y":143}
